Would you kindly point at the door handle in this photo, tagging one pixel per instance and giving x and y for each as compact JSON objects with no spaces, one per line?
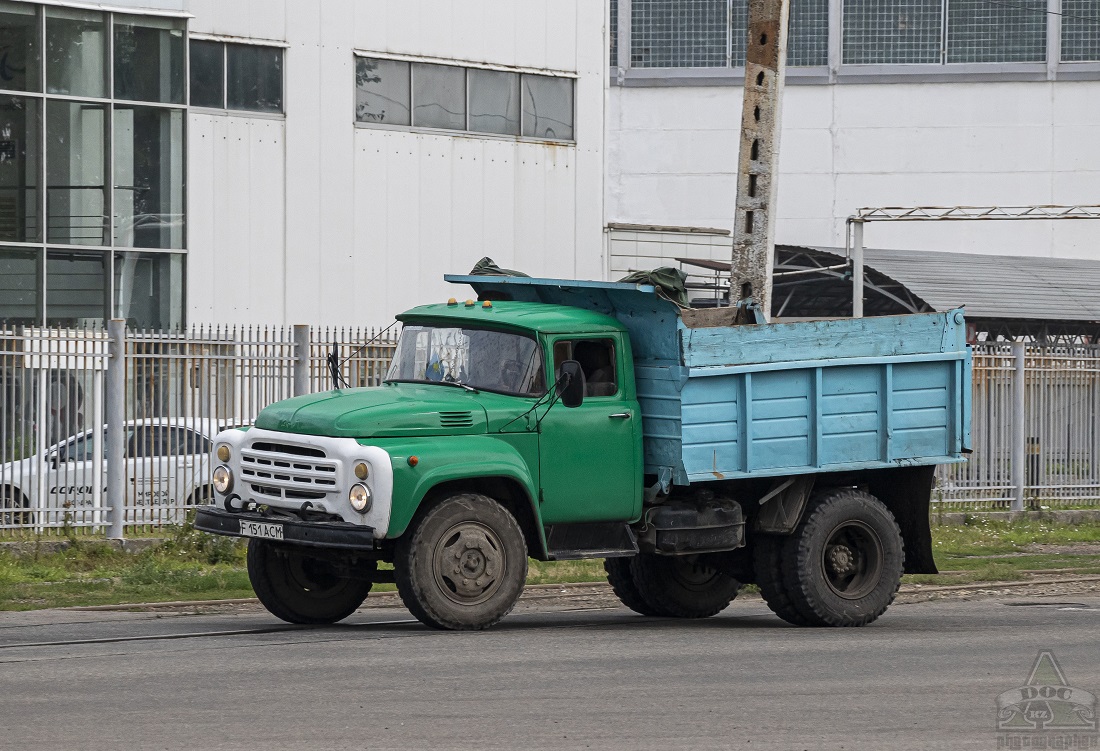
{"x":620,"y":416}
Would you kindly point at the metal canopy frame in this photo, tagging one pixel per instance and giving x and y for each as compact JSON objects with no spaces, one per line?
{"x":853,"y":240}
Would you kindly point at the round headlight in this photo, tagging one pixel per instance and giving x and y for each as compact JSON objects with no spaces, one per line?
{"x":362,"y":471}
{"x":359,"y":496}
{"x":224,"y":453}
{"x":223,"y":480}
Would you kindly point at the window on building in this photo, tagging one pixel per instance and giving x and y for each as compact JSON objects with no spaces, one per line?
{"x":453,"y":97}
{"x":20,"y":287}
{"x":494,"y":102}
{"x":149,"y":59}
{"x":713,"y":33}
{"x":20,"y":42}
{"x":439,"y":96}
{"x":980,"y":32}
{"x":244,"y":77}
{"x":253,"y":78}
{"x":207,"y":74}
{"x":20,"y":133}
{"x":1080,"y":30}
{"x":679,"y":33}
{"x":107,"y":135}
{"x":548,"y":107}
{"x":877,"y":31}
{"x":76,"y":52}
{"x":382,"y":91}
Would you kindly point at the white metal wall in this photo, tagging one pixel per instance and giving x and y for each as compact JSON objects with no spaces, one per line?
{"x":314,"y":220}
{"x":672,"y":153}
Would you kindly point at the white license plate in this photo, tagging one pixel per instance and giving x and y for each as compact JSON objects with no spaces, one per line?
{"x":262,"y":530}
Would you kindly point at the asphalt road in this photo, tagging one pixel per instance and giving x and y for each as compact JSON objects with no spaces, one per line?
{"x":926,"y":675}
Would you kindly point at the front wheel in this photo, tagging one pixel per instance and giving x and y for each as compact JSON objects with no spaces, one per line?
{"x":843,"y":564}
{"x":681,"y":586}
{"x":464,"y":565}
{"x":299,"y":588}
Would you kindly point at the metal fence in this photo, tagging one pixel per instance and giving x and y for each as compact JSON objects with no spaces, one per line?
{"x":1035,"y":429}
{"x":178,"y":390}
{"x":1036,"y":418}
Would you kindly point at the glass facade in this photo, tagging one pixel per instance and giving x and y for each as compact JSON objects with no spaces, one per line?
{"x":92,"y":134}
{"x":245,"y":77}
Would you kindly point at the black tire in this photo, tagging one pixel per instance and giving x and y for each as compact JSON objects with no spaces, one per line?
{"x":202,"y":496}
{"x":767,"y":558}
{"x":843,"y":563}
{"x":681,"y":587}
{"x":13,"y":508}
{"x":464,"y":564}
{"x":299,"y":588}
{"x":621,"y":580}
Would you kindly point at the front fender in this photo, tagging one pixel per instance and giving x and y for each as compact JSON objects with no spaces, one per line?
{"x":450,"y":458}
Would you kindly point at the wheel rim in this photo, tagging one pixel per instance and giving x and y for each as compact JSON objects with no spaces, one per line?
{"x":469,"y":563}
{"x":312,"y":576}
{"x":851,"y":560}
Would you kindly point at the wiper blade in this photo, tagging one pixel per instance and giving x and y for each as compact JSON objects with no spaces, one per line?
{"x":457,"y":384}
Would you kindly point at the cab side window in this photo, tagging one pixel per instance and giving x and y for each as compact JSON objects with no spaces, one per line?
{"x":597,"y":360}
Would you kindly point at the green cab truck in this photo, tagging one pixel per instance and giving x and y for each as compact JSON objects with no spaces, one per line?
{"x":693,"y":450}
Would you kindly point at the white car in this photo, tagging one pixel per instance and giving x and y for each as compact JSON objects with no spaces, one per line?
{"x":167,"y":470}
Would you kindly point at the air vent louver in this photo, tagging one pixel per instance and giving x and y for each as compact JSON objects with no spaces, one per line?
{"x":456,"y":419}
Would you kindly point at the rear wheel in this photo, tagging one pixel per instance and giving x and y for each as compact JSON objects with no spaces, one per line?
{"x":767,"y":554}
{"x":843,"y":564}
{"x":681,"y":586}
{"x":300,"y":588}
{"x":464,"y":565}
{"x":622,"y":584}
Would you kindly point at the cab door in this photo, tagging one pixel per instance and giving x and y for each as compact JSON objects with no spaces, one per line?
{"x":589,"y":456}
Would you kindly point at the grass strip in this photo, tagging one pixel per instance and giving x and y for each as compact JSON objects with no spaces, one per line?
{"x":190,"y":565}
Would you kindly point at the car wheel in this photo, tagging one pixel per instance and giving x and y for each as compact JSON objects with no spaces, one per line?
{"x":13,"y":509}
{"x":622,"y":584}
{"x":300,"y":588}
{"x":464,"y":564}
{"x":843,"y":563}
{"x":681,"y":586}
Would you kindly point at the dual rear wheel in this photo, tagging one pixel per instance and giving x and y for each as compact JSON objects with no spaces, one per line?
{"x":841,"y":566}
{"x":670,"y":586}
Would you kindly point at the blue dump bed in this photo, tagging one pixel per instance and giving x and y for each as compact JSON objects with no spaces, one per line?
{"x":722,"y":401}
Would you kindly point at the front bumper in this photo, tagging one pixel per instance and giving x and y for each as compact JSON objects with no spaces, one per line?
{"x":295,"y":532}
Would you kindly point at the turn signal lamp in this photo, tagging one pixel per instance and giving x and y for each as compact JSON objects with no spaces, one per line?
{"x":414,"y":460}
{"x":224,"y":453}
{"x":361,"y":470}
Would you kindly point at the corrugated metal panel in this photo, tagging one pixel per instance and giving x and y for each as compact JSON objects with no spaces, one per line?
{"x":1013,"y":287}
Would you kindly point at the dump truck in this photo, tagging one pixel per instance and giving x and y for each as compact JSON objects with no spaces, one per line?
{"x":695,"y":451}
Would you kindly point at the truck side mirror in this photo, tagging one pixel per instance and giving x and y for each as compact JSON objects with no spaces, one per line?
{"x":571,"y":384}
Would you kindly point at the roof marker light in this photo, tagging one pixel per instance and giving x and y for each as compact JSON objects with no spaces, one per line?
{"x":469,"y":303}
{"x":487,"y":304}
{"x":452,"y":301}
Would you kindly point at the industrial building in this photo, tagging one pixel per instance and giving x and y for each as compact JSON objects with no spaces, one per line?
{"x":295,"y":161}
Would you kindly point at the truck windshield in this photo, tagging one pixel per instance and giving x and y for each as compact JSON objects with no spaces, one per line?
{"x":477,"y":358}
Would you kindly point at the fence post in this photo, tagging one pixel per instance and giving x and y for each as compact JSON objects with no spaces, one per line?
{"x":1019,"y":428}
{"x":301,"y":359}
{"x":116,"y":417}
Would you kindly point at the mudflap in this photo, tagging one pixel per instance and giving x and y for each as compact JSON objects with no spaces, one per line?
{"x":907,"y":492}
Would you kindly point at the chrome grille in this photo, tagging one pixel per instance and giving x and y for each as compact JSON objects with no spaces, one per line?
{"x":286,"y":470}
